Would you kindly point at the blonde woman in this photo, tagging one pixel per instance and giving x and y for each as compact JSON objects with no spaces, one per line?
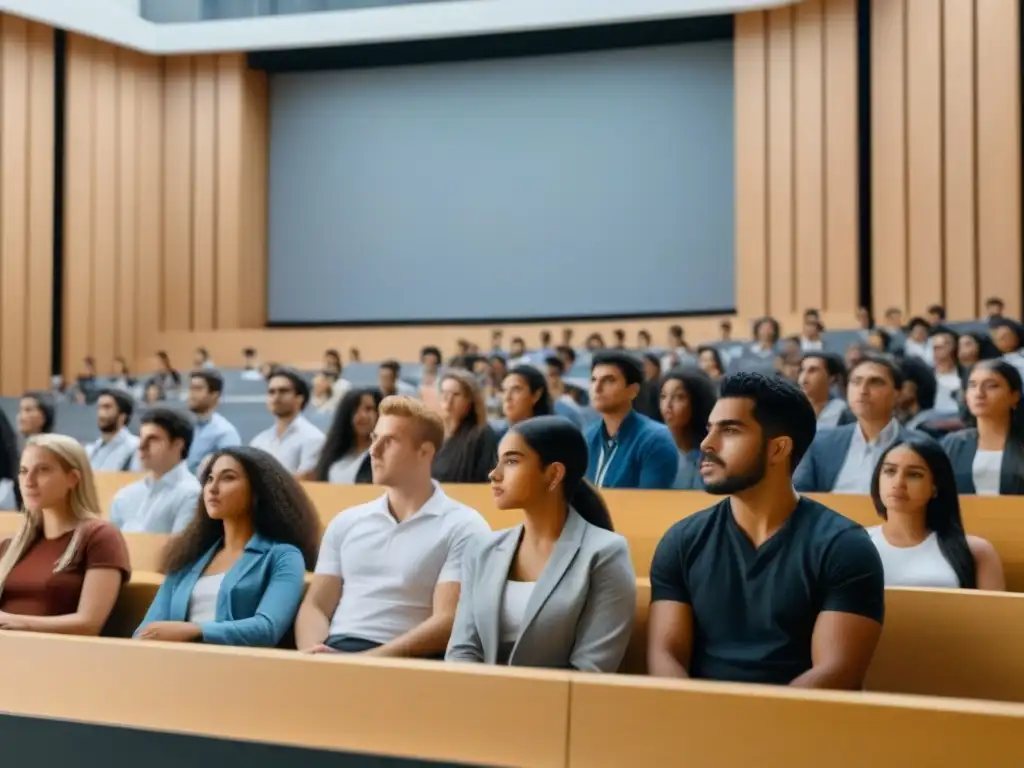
{"x":63,"y":570}
{"x":470,"y":448}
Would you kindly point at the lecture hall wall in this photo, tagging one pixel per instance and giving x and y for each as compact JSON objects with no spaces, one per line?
{"x":165,"y":187}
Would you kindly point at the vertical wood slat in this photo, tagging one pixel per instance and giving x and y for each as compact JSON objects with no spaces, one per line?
{"x":205,"y":128}
{"x":231,"y":117}
{"x":14,"y":101}
{"x":924,"y":153}
{"x":751,"y":121}
{"x":842,"y":277}
{"x":127,"y":202}
{"x":809,"y":160}
{"x":150,"y":183}
{"x":176,"y":283}
{"x":259,"y":99}
{"x":999,"y":152}
{"x":958,"y":213}
{"x":888,"y":155}
{"x":78,"y":286}
{"x":39,"y":310}
{"x":106,"y":149}
{"x":780,"y":161}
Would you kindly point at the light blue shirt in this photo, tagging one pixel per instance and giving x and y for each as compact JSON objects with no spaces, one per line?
{"x":165,"y":505}
{"x":861,"y":458}
{"x":689,"y":478}
{"x":298,"y":449}
{"x":119,"y":454}
{"x":830,"y":414}
{"x":209,"y":437}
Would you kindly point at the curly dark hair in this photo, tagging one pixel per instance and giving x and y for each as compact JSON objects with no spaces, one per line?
{"x":281,"y":511}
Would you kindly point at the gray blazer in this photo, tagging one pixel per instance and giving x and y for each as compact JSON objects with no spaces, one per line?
{"x":579,"y":616}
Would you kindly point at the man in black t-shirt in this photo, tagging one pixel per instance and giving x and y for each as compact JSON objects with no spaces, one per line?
{"x":766,"y":586}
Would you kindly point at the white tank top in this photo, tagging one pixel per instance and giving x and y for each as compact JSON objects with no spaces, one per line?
{"x":202,"y":605}
{"x":513,"y":607}
{"x":920,"y":566}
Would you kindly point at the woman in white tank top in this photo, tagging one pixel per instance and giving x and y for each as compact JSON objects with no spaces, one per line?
{"x":922,"y":541}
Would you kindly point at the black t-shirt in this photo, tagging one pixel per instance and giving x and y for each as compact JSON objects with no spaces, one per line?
{"x":754,"y":609}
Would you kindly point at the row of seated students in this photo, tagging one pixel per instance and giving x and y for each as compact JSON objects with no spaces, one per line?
{"x":764,"y":586}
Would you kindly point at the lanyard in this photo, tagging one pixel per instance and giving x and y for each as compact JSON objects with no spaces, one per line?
{"x":604,"y":461}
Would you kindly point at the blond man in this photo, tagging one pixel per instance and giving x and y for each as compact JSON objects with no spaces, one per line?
{"x":387,"y":579}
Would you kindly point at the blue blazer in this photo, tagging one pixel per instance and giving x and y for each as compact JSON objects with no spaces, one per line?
{"x":820,"y":467}
{"x":257,"y":601}
{"x":961,"y":448}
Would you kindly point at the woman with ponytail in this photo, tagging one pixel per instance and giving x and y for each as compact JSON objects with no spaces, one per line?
{"x":922,"y":541}
{"x":988,"y":458}
{"x":62,"y":571}
{"x":559,"y":589}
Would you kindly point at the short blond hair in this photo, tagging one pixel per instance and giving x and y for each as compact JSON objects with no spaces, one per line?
{"x":429,"y":422}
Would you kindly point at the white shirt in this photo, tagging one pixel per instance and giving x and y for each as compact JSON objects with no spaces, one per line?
{"x":389,"y":569}
{"x":513,"y":608}
{"x":118,"y":454}
{"x":861,"y":458}
{"x":811,"y":345}
{"x":7,"y":500}
{"x":920,"y":566}
{"x":344,"y":470}
{"x":985,"y":471}
{"x":949,"y":385}
{"x":166,"y":505}
{"x":921,"y":349}
{"x":298,"y":449}
{"x":202,"y":604}
{"x":829,"y":416}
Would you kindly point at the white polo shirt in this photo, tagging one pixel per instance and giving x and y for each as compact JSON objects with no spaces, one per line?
{"x":298,"y":448}
{"x":389,"y":569}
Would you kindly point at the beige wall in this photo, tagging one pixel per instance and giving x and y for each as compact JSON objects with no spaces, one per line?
{"x":165,"y":198}
{"x":945,"y":135}
{"x":26,"y":203}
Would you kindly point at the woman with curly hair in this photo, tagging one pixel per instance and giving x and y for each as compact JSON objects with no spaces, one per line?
{"x":235,"y":574}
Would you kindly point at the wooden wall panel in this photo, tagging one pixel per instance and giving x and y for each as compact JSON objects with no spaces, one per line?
{"x":946,"y":194}
{"x":165,"y":200}
{"x":26,"y":203}
{"x":796,"y":160}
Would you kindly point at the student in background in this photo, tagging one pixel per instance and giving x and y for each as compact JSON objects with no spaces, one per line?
{"x":687,"y":397}
{"x":293,"y":440}
{"x":918,"y":343}
{"x":122,"y":378}
{"x":525,"y":395}
{"x":62,"y":571}
{"x":321,"y":398}
{"x":250,"y":365}
{"x":915,"y":402}
{"x":201,"y":359}
{"x":470,"y":445}
{"x":117,"y":448}
{"x":389,"y":380}
{"x":167,"y":375}
{"x":387,"y":578}
{"x":711,"y":362}
{"x":936,"y":315}
{"x":36,"y":413}
{"x":949,"y":375}
{"x":766,"y":586}
{"x":559,"y":589}
{"x":431,"y":359}
{"x":627,"y":449}
{"x":345,"y":458}
{"x":211,"y":432}
{"x":821,"y":373}
{"x":922,"y":541}
{"x":236,"y":575}
{"x":842,"y":460}
{"x":988,"y":458}
{"x":164,"y":501}
{"x":647,"y":399}
{"x":10,"y":493}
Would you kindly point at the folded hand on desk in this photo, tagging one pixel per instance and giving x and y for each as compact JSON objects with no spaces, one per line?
{"x":171,"y":632}
{"x":12,"y":621}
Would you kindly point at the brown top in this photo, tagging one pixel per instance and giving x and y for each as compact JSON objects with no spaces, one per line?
{"x":33,"y":589}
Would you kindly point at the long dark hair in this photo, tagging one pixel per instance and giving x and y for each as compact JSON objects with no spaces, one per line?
{"x":942,"y":514}
{"x":281,"y":512}
{"x":44,"y":402}
{"x":703,"y":394}
{"x":342,"y":435}
{"x":535,"y":382}
{"x":555,"y":439}
{"x":10,"y":456}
